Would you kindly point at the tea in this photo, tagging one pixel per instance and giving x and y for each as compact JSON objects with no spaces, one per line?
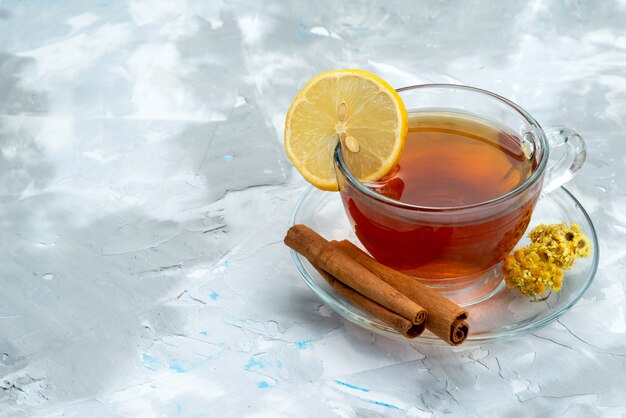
{"x":453,"y":160}
{"x":450,"y":160}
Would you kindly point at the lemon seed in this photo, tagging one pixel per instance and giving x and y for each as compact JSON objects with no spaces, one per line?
{"x":352,"y":144}
{"x":342,"y":111}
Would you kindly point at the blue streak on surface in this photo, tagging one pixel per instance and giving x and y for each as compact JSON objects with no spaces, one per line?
{"x":214,"y":295}
{"x":303,"y":29}
{"x":204,"y":333}
{"x":254,"y":364}
{"x":339,"y":382}
{"x":263,"y":385}
{"x":386,"y":405}
{"x":228,"y":157}
{"x":150,"y":362}
{"x":177,"y":367}
{"x":303,"y":345}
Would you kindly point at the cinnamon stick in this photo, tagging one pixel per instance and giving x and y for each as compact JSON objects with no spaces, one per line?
{"x":397,"y":322}
{"x":342,"y":267}
{"x":446,"y":319}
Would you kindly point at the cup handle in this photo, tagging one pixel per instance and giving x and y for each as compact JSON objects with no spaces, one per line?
{"x":567,"y":155}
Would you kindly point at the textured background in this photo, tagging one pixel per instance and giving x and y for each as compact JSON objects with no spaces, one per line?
{"x":144,"y":194}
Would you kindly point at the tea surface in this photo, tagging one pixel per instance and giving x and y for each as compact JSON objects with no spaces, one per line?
{"x":454,"y":160}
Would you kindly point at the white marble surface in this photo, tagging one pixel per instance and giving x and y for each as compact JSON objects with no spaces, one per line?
{"x":144,"y":195}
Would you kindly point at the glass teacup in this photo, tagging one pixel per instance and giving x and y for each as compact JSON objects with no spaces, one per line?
{"x":455,"y":242}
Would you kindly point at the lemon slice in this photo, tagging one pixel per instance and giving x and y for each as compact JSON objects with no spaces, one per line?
{"x":355,"y":107}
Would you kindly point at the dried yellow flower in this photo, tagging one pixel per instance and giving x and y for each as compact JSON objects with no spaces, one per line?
{"x":528,"y":273}
{"x":537,"y":268}
{"x":561,"y":244}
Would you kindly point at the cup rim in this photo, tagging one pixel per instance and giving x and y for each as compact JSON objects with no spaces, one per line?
{"x":536,"y":174}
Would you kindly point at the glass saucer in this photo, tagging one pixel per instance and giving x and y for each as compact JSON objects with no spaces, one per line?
{"x":502,"y":314}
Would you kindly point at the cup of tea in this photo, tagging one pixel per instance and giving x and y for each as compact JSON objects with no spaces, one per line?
{"x":462,"y":194}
